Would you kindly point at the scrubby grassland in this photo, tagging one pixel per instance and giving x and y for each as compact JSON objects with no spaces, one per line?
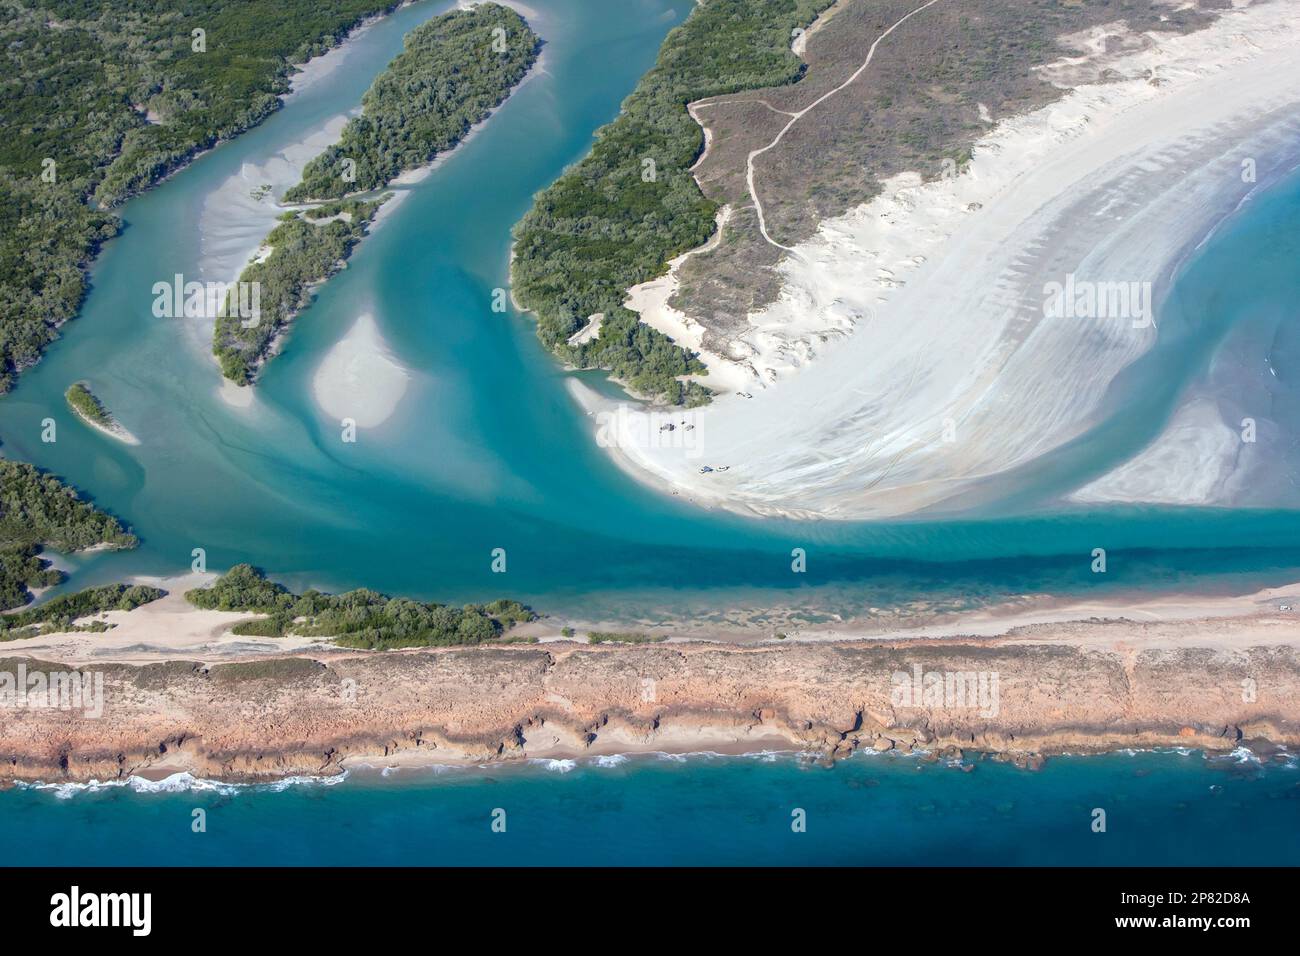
{"x":115,"y":95}
{"x":360,"y":618}
{"x":611,"y":221}
{"x":449,"y":77}
{"x":58,"y":614}
{"x":916,"y":108}
{"x":38,"y":510}
{"x":307,"y":249}
{"x":453,"y":71}
{"x":84,"y":403}
{"x":624,"y":637}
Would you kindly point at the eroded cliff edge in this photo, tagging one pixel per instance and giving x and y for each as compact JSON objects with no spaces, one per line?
{"x":281,"y":716}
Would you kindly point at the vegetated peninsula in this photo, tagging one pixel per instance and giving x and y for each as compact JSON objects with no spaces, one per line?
{"x":91,"y":410}
{"x":619,"y":216}
{"x":453,"y":71}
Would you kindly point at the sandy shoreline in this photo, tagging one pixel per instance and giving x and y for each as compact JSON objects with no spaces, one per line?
{"x":172,"y":629}
{"x":116,"y":431}
{"x":405,"y":766}
{"x":908,"y":360}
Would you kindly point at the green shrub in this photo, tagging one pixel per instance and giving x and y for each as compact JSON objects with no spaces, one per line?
{"x":623,"y":637}
{"x":360,"y":618}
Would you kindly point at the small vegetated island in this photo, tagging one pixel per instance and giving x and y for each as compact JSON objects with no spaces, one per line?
{"x":453,"y":71}
{"x":360,"y":618}
{"x":91,"y":410}
{"x":618,"y":217}
{"x":307,"y":248}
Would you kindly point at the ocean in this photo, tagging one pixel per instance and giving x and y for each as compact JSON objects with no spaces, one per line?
{"x":1178,"y":809}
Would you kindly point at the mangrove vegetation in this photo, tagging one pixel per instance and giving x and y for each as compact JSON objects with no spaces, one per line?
{"x":304,"y":252}
{"x":37,"y":510}
{"x":360,"y":618}
{"x":453,"y":71}
{"x":450,"y":75}
{"x":60,"y":613}
{"x":619,"y":216}
{"x":100,"y":100}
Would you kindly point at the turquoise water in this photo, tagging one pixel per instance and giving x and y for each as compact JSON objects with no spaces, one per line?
{"x":487,"y":450}
{"x":1161,"y":809}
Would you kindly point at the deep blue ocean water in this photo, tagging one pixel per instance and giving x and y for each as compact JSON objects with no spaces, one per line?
{"x":1161,"y":808}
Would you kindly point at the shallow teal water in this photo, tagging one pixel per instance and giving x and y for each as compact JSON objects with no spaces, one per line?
{"x":1161,"y":809}
{"x":487,"y":450}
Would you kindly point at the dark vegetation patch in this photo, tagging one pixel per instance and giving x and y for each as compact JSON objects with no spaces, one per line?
{"x":617,"y":217}
{"x":360,"y":618}
{"x":36,"y":511}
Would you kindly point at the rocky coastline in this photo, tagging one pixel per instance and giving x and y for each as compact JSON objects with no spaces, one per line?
{"x":276,"y":717}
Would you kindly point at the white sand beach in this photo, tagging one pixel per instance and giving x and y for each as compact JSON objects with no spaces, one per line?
{"x":114,"y":431}
{"x":1191,"y":463}
{"x":167,"y":629}
{"x":173,"y":629}
{"x":909,"y":356}
{"x":359,"y":379}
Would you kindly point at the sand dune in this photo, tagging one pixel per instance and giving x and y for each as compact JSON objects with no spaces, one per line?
{"x":909,"y":356}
